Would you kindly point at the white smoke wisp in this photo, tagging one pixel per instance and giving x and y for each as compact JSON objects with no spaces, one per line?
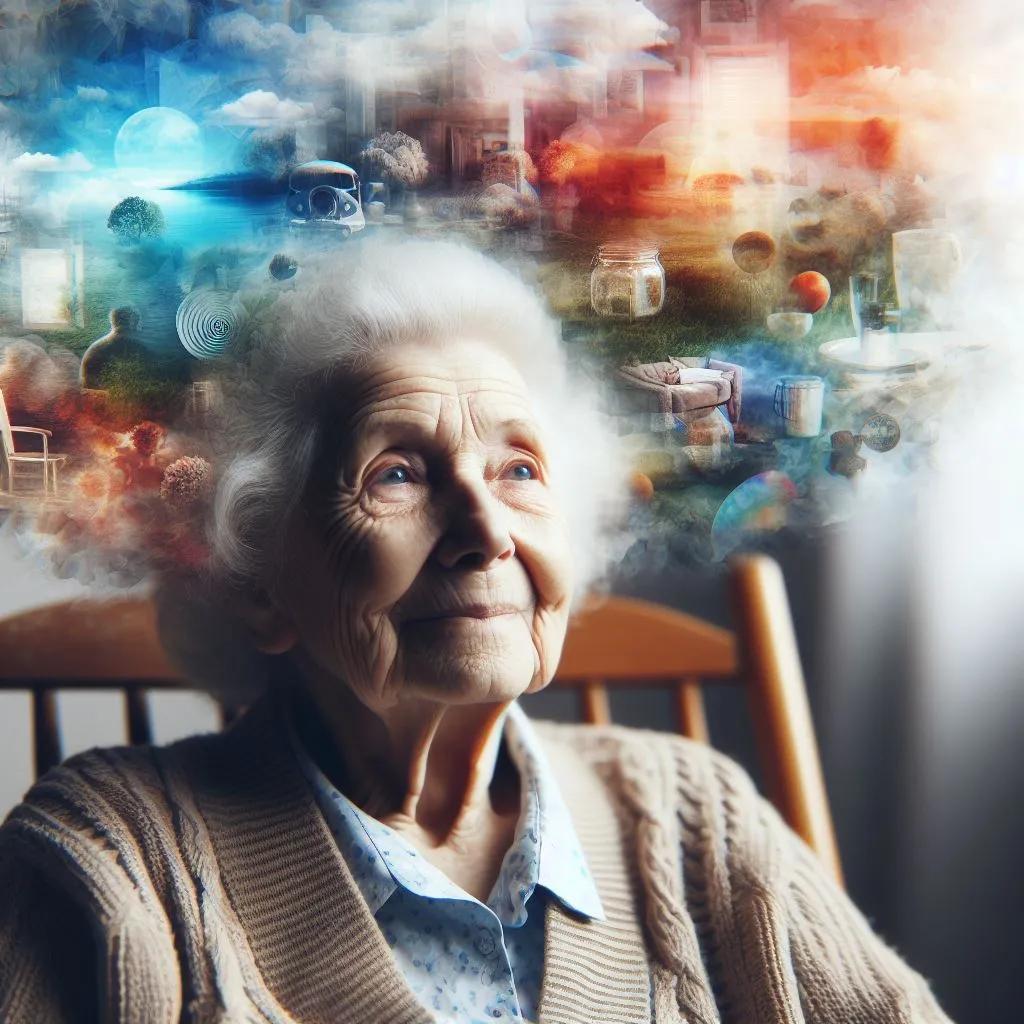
{"x":972,"y":541}
{"x":966,"y":555}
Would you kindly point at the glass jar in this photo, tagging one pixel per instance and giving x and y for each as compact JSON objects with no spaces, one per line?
{"x":628,"y":280}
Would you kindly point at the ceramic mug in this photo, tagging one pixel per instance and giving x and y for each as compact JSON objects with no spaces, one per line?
{"x":799,"y":400}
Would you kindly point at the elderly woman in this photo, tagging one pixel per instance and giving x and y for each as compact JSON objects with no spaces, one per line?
{"x":409,"y":505}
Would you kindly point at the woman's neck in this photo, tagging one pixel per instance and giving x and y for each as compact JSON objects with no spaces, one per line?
{"x":437,"y":772}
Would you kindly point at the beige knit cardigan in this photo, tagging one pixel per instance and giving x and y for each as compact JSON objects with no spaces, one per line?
{"x":199,"y":882}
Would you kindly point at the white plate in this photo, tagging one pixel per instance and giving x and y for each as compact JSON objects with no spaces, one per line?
{"x":845,"y":353}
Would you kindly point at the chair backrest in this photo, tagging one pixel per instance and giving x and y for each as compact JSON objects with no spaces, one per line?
{"x":84,"y":645}
{"x":621,"y":642}
{"x":90,"y":644}
{"x":6,"y":436}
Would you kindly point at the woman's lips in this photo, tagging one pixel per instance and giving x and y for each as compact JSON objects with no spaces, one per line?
{"x":468,"y":611}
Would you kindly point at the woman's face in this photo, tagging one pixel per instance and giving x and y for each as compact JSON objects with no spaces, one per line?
{"x":430,"y":557}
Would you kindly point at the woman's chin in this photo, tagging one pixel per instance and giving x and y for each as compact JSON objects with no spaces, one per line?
{"x":475,"y":683}
{"x":469,"y":671}
{"x":475,"y":677}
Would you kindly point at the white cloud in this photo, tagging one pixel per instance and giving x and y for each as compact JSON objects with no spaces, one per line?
{"x":262,"y":107}
{"x":243,"y":34}
{"x":398,"y":48}
{"x":92,"y":92}
{"x":601,"y":26}
{"x":73,"y":161}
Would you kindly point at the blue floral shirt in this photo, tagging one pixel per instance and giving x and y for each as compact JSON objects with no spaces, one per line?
{"x":468,"y":961}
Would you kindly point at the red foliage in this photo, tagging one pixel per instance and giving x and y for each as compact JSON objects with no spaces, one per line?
{"x":146,"y":437}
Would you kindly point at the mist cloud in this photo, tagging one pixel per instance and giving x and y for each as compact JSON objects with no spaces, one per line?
{"x":260,"y":107}
{"x":47,"y":162}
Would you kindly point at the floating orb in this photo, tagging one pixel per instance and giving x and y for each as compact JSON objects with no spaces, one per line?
{"x":641,"y":486}
{"x":161,"y":145}
{"x":758,"y":505}
{"x":803,"y":221}
{"x":208,"y":321}
{"x":511,"y":34}
{"x":810,"y":291}
{"x":753,"y":252}
{"x":283,"y":267}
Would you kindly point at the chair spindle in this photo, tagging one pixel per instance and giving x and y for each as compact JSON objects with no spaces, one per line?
{"x":596,"y":709}
{"x":137,"y":718}
{"x":45,"y":734}
{"x":690,"y":712}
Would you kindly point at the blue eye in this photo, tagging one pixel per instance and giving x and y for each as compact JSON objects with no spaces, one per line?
{"x":521,"y":471}
{"x":394,"y":475}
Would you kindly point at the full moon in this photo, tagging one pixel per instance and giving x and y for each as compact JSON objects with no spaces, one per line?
{"x":160,"y":145}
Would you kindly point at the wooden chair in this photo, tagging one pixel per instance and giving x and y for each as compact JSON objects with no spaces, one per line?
{"x":12,"y":459}
{"x":114,"y":645}
{"x":621,"y":641}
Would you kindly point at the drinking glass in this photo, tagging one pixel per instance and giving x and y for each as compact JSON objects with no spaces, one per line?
{"x":926,"y":262}
{"x":866,"y":308}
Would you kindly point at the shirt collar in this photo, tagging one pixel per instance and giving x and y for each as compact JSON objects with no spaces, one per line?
{"x":562,"y":868}
{"x":546,"y":850}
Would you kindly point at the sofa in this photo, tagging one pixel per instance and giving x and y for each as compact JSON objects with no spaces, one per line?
{"x":682,"y":391}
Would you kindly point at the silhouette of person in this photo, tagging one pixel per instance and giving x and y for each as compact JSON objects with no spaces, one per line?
{"x":121,"y":343}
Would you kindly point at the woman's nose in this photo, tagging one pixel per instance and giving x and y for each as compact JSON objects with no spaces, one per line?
{"x":476,"y":532}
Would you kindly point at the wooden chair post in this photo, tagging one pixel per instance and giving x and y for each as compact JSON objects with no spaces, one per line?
{"x":783,"y":726}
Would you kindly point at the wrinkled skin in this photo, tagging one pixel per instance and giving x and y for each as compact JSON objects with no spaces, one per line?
{"x":427,"y":585}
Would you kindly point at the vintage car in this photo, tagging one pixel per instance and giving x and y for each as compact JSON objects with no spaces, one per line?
{"x":326,"y":193}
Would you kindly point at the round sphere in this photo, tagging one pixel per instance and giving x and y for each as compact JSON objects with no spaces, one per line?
{"x":810,"y":291}
{"x":283,"y":267}
{"x":160,"y":144}
{"x":641,"y":486}
{"x":753,"y":252}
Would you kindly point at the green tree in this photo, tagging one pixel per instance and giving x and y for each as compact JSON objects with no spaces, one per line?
{"x":135,"y":218}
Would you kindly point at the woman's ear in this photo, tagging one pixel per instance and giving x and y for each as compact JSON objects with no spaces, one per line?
{"x":270,"y":629}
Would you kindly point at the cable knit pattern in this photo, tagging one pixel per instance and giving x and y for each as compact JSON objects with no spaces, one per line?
{"x":214,"y":889}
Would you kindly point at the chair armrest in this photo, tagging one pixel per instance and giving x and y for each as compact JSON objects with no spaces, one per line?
{"x":735,"y":373}
{"x":699,"y":394}
{"x":44,"y":434}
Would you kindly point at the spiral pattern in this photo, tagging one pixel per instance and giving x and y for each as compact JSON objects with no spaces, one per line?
{"x":208,"y":322}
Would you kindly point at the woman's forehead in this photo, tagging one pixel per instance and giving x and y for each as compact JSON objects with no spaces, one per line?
{"x":420,"y":385}
{"x":423,"y":377}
